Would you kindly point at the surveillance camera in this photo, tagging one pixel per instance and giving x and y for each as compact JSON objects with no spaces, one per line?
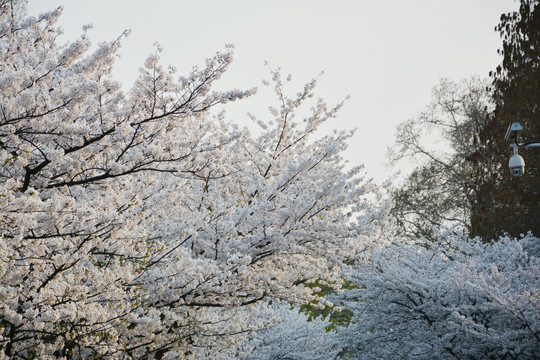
{"x":516,"y":165}
{"x":512,"y":134}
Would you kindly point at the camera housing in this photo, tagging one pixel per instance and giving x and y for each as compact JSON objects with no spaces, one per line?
{"x":516,"y":162}
{"x":516,"y":165}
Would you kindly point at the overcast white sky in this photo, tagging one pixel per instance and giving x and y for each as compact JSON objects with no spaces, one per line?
{"x":387,"y":55}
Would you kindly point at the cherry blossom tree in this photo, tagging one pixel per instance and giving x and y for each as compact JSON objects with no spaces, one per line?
{"x":291,"y":337}
{"x":144,"y":225}
{"x":456,"y":298}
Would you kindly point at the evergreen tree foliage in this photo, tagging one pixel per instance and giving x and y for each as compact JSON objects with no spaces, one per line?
{"x":501,"y":203}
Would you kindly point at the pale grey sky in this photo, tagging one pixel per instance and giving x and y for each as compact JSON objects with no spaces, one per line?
{"x":387,"y":55}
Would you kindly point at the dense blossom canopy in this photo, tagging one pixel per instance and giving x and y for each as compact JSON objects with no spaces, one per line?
{"x":145,"y":225}
{"x":456,"y":298}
